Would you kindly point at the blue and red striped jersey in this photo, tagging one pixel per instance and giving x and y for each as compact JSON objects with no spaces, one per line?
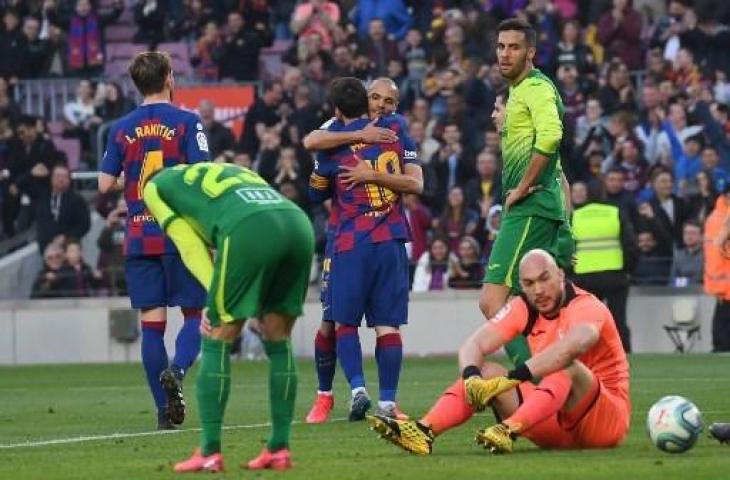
{"x":140,"y":143}
{"x":366,"y":213}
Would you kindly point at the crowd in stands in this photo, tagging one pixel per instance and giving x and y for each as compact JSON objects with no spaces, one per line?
{"x":644,"y":83}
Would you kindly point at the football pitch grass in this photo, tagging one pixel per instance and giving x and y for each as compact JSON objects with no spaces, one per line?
{"x":96,"y":422}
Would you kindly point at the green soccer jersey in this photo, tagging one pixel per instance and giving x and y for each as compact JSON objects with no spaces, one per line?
{"x":211,"y":197}
{"x":533,"y":123}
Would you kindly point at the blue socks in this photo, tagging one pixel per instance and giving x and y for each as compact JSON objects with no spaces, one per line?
{"x":389,"y":356}
{"x":187,"y":344}
{"x":349,"y":354}
{"x":154,"y":359}
{"x":325,"y":359}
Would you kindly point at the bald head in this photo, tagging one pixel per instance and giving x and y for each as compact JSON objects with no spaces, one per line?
{"x":206,"y":109}
{"x":383,"y":97}
{"x":542,"y":281}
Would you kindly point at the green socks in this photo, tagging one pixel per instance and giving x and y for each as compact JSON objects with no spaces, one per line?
{"x":282,"y":392}
{"x":214,"y":385}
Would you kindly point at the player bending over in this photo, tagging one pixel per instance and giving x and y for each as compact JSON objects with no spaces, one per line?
{"x":153,"y":136}
{"x":382,"y":102}
{"x":264,"y":246}
{"x":572,"y":393}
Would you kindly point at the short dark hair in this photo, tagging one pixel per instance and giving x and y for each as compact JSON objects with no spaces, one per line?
{"x":520,"y":26}
{"x":348,"y":95}
{"x":27,"y":121}
{"x":149,"y":70}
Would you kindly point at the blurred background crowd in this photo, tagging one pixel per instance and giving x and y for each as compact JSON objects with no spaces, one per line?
{"x":645,"y":86}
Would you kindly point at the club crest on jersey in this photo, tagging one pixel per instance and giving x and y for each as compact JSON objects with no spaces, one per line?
{"x":202,"y":141}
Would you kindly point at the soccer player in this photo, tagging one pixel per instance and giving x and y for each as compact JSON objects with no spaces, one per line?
{"x":533,"y":183}
{"x":368,"y":245}
{"x":383,"y":99}
{"x":264,"y":246}
{"x":153,"y":136}
{"x":572,"y":393}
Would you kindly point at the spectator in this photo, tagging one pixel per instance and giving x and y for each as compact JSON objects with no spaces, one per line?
{"x":86,"y":36}
{"x":35,"y":50}
{"x":416,"y":57}
{"x":542,"y":15}
{"x":49,"y":283}
{"x":8,"y":108}
{"x":220,"y":137}
{"x":669,"y":209}
{"x":573,"y":97}
{"x":570,"y":50}
{"x":685,"y":73}
{"x":11,"y":51}
{"x":615,"y":193}
{"x":202,"y":56}
{"x":425,"y":146}
{"x":433,"y":268}
{"x":30,"y":159}
{"x":80,"y":115}
{"x":305,"y":117}
{"x":114,"y":104}
{"x":466,"y":270}
{"x":61,"y":213}
{"x":238,"y":56}
{"x":343,"y":62}
{"x":711,"y":164}
{"x":618,"y":93}
{"x":707,"y":39}
{"x":149,"y":15}
{"x":111,"y":250}
{"x":487,"y":186}
{"x":619,"y":31}
{"x":264,"y":113}
{"x":316,"y":16}
{"x":652,"y":267}
{"x":452,"y":164}
{"x":457,"y":220}
{"x":187,"y":23}
{"x":419,"y":219}
{"x":634,"y":165}
{"x":58,"y":55}
{"x":667,"y":30}
{"x":688,"y":163}
{"x":392,"y":13}
{"x":81,"y":279}
{"x":379,"y":48}
{"x":288,"y":171}
{"x":701,"y":203}
{"x":674,"y":132}
{"x":689,"y":261}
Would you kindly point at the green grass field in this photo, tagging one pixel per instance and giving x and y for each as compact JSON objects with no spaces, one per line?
{"x":66,"y":403}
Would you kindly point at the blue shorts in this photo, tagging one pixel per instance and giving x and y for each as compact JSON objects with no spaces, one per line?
{"x":370,"y":280}
{"x":162,"y":281}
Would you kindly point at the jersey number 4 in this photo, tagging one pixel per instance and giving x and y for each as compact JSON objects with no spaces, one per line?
{"x":152,"y":163}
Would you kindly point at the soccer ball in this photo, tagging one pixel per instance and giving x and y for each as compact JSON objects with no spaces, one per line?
{"x":674,"y":423}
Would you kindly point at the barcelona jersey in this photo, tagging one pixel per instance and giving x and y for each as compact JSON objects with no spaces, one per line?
{"x":141,"y":143}
{"x":366,"y":213}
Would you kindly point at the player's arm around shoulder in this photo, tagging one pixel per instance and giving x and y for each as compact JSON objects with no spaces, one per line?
{"x":324,"y":139}
{"x":542,"y":102}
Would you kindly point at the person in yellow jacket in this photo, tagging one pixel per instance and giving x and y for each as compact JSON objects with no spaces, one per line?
{"x":605,"y":251}
{"x":717,"y":270}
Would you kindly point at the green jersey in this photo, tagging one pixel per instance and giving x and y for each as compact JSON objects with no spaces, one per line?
{"x":533,"y":123}
{"x":212,"y":197}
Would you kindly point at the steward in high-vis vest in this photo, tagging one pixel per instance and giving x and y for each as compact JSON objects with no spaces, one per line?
{"x":717,"y":270}
{"x":605,"y":251}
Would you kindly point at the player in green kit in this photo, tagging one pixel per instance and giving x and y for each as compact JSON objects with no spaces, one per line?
{"x":264,"y":248}
{"x":535,"y":208}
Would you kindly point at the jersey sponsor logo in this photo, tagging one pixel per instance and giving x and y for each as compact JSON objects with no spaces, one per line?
{"x":259,"y":196}
{"x":410,"y":154}
{"x":503,"y":312}
{"x":202,"y":141}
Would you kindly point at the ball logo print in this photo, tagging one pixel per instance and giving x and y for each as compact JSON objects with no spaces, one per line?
{"x":674,"y":424}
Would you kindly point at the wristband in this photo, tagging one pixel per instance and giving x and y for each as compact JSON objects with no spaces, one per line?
{"x":521,"y":372}
{"x":471,"y":371}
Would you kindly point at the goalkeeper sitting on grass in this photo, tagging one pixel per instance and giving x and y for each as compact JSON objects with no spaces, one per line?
{"x":581,"y":399}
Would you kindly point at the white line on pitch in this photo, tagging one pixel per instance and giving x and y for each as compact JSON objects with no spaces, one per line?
{"x":117,"y":436}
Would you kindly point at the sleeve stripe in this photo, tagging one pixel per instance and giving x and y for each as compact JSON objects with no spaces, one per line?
{"x":319,"y":182}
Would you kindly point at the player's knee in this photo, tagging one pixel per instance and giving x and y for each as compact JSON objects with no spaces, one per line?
{"x":327,"y":328}
{"x":491,"y":370}
{"x":275,"y":327}
{"x":385,"y":330}
{"x":191,"y":313}
{"x":154,"y":315}
{"x":227,"y":333}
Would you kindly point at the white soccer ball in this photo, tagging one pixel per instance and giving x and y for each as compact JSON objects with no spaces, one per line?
{"x":674,"y":424}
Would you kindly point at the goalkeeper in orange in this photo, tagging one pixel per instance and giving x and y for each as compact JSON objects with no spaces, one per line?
{"x":572,"y":393}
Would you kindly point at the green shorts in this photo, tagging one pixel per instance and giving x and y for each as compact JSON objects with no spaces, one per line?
{"x":519,"y":235}
{"x":262,"y":267}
